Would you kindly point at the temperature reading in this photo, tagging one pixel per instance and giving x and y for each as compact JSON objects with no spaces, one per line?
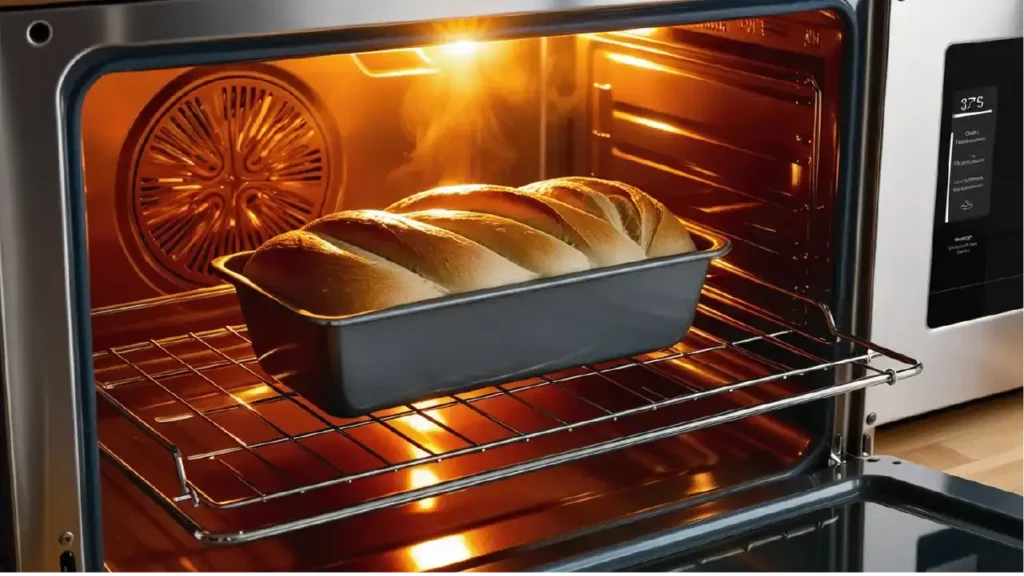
{"x":972,"y":103}
{"x":969,"y":160}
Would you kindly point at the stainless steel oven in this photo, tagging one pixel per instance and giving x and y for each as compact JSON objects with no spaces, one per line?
{"x":948,"y":279}
{"x":141,"y":140}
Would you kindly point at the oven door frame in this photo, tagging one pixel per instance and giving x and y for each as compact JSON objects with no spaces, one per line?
{"x":45,"y":342}
{"x":672,"y":540}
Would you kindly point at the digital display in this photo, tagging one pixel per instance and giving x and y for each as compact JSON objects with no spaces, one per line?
{"x":978,"y":238}
{"x":971,"y":142}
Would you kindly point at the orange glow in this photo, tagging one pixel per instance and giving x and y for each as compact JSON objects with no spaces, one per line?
{"x":422,"y":55}
{"x":441,"y":552}
{"x":796,"y":177}
{"x":421,"y":478}
{"x":642,"y":31}
{"x":462,"y":48}
{"x":187,"y":564}
{"x":636,"y":61}
{"x":722,"y":208}
{"x":703,"y":482}
{"x":394,"y":63}
{"x":650,"y":123}
{"x":433,"y":401}
{"x":255,"y":393}
{"x":425,"y":425}
{"x":455,"y":187}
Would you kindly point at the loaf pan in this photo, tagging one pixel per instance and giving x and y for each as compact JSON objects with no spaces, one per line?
{"x":352,"y":365}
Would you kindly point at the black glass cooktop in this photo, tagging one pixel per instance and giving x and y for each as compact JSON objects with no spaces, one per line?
{"x":863,"y":536}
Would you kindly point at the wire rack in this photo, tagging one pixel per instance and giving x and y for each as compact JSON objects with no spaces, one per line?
{"x":210,"y":383}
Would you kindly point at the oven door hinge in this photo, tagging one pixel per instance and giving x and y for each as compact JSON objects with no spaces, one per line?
{"x":836,"y":451}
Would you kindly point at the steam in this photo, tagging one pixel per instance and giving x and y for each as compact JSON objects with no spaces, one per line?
{"x":456,"y":119}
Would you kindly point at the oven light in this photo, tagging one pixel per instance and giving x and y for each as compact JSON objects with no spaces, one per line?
{"x":463,"y":48}
{"x":642,"y":31}
{"x":441,"y":552}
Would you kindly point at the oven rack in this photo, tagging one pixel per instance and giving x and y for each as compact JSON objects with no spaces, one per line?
{"x":188,"y":494}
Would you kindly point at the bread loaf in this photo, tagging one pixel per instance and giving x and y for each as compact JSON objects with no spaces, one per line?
{"x":599,"y":241}
{"x":316,"y":275}
{"x":463,"y":238}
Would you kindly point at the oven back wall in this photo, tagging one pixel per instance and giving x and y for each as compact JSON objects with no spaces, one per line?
{"x":184,"y":165}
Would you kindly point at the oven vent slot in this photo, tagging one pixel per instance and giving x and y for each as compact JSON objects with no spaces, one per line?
{"x":235,"y":438}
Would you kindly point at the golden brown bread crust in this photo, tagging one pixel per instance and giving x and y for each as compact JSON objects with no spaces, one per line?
{"x":599,"y":241}
{"x":580,"y":197}
{"x":443,"y":257}
{"x":317,"y":276}
{"x":532,"y":249}
{"x":496,"y":201}
{"x":649,"y":222}
{"x":636,"y":208}
{"x":670,"y":236}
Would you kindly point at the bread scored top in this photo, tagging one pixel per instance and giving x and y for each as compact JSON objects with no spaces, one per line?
{"x":463,"y":238}
{"x":645,"y":220}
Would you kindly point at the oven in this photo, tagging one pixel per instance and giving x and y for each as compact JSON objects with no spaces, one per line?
{"x":960,"y":311}
{"x":140,"y":141}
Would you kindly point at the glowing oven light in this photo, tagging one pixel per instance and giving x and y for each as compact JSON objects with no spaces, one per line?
{"x":440,"y":552}
{"x":462,"y":48}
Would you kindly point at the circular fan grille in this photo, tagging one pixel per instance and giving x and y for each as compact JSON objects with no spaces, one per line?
{"x":229,"y":161}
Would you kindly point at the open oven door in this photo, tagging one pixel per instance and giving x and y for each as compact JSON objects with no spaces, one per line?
{"x":877,"y":514}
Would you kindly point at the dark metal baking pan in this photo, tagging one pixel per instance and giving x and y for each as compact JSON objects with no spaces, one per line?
{"x":353,"y":365}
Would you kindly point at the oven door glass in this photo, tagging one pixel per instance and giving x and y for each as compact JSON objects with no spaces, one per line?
{"x":876,"y":515}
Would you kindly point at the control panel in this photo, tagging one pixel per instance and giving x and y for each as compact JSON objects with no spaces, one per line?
{"x":977,"y":255}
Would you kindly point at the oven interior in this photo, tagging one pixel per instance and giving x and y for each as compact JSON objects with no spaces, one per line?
{"x":209,"y":464}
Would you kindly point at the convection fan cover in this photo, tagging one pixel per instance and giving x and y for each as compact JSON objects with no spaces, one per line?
{"x":221,"y":161}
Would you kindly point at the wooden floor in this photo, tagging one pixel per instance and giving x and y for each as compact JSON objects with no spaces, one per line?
{"x":983,"y":441}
